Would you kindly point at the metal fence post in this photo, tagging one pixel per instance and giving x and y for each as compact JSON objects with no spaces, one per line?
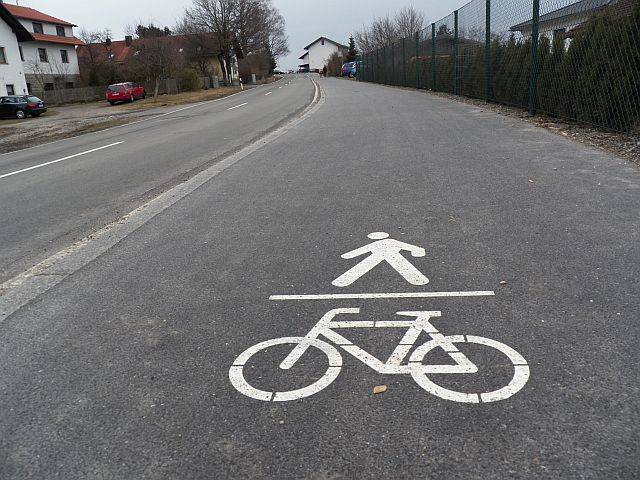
{"x":384,"y":65}
{"x":404,"y":62}
{"x":417,"y":62}
{"x":393,"y":65}
{"x":487,"y":53}
{"x":455,"y":52}
{"x":433,"y":57}
{"x":535,"y":33}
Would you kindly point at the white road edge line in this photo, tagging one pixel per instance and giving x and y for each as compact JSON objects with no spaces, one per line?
{"x":20,"y":290}
{"x":356,"y":296}
{"x":238,"y":106}
{"x":59,"y":160}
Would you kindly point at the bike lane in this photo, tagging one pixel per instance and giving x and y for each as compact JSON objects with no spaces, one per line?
{"x":123,"y":369}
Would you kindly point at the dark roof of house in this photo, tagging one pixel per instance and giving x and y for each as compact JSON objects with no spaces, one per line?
{"x":327,"y":39}
{"x":32,"y":14}
{"x":582,"y":6}
{"x":120,"y":50}
{"x":22,"y":34}
{"x":303,"y":55}
{"x":40,"y":37}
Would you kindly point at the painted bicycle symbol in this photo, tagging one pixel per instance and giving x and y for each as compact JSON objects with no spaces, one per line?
{"x":420,"y":322}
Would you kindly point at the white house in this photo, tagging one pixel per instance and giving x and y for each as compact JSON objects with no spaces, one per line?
{"x":560,"y":23}
{"x":12,"y":77}
{"x":317,"y":53}
{"x":49,"y":57}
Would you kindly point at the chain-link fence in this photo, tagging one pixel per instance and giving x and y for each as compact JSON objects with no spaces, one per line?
{"x":572,"y":59}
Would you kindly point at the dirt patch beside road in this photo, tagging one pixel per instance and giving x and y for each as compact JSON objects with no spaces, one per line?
{"x":73,"y":120}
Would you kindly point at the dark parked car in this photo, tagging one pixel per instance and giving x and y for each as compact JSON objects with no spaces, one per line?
{"x":21,"y":106}
{"x":125,"y":92}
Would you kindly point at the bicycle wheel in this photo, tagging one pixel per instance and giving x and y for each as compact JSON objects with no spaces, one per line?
{"x":237,"y":379}
{"x":420,"y":372}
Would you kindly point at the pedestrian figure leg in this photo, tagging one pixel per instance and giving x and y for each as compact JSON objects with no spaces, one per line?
{"x":410,"y":273}
{"x":357,"y":271}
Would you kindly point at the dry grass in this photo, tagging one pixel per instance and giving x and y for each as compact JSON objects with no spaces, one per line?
{"x":180,"y":99}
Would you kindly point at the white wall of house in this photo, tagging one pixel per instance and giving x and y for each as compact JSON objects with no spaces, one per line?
{"x":55,"y":66}
{"x":11,"y":73}
{"x":549,"y":26}
{"x":319,"y":54}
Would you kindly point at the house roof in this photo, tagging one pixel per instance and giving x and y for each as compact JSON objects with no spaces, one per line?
{"x":328,"y":40}
{"x":582,"y":6}
{"x":31,"y":14}
{"x":303,"y":55}
{"x":22,"y":34}
{"x":120,"y":50}
{"x":56,"y":39}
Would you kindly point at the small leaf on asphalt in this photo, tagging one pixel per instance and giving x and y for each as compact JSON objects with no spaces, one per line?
{"x":379,"y":389}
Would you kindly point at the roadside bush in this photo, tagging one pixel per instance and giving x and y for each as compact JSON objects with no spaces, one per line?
{"x":334,"y":64}
{"x":188,"y":80}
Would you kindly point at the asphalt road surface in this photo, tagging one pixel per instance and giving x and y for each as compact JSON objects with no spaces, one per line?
{"x":518,"y":356}
{"x":46,"y":208}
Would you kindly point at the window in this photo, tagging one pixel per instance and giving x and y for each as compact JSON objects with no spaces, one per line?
{"x":37,"y":27}
{"x":3,"y":55}
{"x":42,"y":53}
{"x":21,"y":52}
{"x":322,"y":41}
{"x":28,"y":88}
{"x":60,"y":31}
{"x":64,"y":55}
{"x":11,"y":90}
{"x":48,"y":86}
{"x":68,"y":85}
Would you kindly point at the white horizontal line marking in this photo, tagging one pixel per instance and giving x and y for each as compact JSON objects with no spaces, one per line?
{"x":268,"y":93}
{"x":59,"y":160}
{"x":238,"y":106}
{"x":353,"y":296}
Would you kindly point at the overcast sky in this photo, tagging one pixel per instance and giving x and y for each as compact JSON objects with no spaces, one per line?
{"x":306,"y":19}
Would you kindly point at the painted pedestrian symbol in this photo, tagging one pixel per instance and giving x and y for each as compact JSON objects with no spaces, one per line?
{"x":384,"y":249}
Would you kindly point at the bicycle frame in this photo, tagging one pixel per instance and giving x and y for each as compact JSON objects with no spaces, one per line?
{"x":327,"y":327}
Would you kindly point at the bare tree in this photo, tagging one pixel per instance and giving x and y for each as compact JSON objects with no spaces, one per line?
{"x":242,"y":27}
{"x":409,"y":21}
{"x":200,"y":48}
{"x":218,"y":18}
{"x":385,"y":31}
{"x":153,"y":59}
{"x":381,"y":33}
{"x":93,"y":56}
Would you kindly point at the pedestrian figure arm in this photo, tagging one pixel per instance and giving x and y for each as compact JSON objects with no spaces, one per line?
{"x":415,"y":251}
{"x":357,"y":252}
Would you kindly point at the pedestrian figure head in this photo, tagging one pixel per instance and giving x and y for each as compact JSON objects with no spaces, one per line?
{"x":378,"y":235}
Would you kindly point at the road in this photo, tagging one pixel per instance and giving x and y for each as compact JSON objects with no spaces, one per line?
{"x":49,"y":207}
{"x":120,"y":367}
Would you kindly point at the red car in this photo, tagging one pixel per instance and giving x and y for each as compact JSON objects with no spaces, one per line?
{"x":125,"y":92}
